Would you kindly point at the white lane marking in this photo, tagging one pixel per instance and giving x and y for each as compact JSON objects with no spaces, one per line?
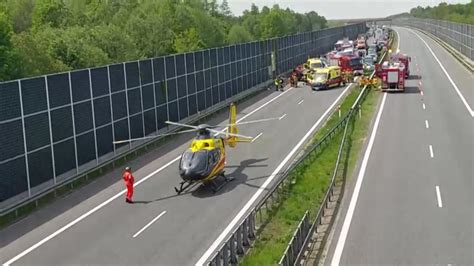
{"x":421,"y":92}
{"x":148,"y":224}
{"x":301,"y":102}
{"x":431,"y":152}
{"x":427,"y":124}
{"x":424,"y":106}
{"x":438,"y":195}
{"x":471,"y":112}
{"x":281,"y":117}
{"x":265,"y":104}
{"x":80,"y":218}
{"x":98,"y":207}
{"x":256,"y":137}
{"x":210,"y":251}
{"x":352,"y":205}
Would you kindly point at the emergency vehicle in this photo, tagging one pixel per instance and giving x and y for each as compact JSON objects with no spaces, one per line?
{"x":392,"y":75}
{"x":348,"y":63}
{"x":343,"y":44}
{"x":402,"y":58}
{"x":314,"y":63}
{"x":325,"y":78}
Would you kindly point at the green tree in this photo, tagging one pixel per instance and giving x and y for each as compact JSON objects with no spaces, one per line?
{"x":45,"y":36}
{"x":53,"y":13}
{"x":75,"y":49}
{"x":462,"y":13}
{"x":8,"y":60}
{"x":151,"y":29}
{"x":187,"y":41}
{"x":20,"y":12}
{"x":35,"y":50}
{"x":238,"y":34}
{"x":117,"y":45}
{"x":225,"y":9}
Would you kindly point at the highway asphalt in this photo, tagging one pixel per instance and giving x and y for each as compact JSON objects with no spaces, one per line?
{"x":97,"y":227}
{"x":413,"y":205}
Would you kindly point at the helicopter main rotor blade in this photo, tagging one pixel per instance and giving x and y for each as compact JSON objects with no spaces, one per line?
{"x":254,"y":121}
{"x":230,"y":134}
{"x":182,"y":125}
{"x":152,"y":137}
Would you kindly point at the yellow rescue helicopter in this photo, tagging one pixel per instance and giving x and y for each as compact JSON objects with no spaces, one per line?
{"x":204,"y":160}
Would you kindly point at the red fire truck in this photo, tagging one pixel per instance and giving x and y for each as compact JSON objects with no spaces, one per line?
{"x":402,"y":58}
{"x":348,"y":63}
{"x":392,"y":75}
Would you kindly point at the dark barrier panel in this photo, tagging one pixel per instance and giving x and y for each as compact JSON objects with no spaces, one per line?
{"x":57,"y":126}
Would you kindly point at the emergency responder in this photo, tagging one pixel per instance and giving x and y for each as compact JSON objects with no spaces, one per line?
{"x":294,"y":79}
{"x":129,"y":180}
{"x":279,"y":83}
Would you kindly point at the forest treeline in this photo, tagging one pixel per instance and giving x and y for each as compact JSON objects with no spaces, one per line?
{"x":461,"y":13}
{"x":45,"y":36}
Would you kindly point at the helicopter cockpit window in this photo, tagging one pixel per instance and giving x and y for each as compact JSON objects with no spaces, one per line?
{"x":213,"y":156}
{"x":196,"y":161}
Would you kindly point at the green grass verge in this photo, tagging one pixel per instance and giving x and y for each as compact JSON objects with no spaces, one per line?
{"x":360,"y":129}
{"x":312,"y":179}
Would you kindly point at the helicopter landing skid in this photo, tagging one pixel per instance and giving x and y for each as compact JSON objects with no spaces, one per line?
{"x":182,"y":187}
{"x":215,"y":187}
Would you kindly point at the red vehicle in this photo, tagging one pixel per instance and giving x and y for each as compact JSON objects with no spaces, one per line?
{"x":392,"y":75}
{"x":343,"y":44}
{"x":402,"y":58}
{"x":348,"y":63}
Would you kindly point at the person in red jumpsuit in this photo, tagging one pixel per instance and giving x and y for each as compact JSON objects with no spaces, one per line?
{"x":129,"y":180}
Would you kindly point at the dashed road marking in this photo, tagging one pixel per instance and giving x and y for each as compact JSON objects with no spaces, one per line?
{"x":469,"y":109}
{"x":438,"y":196}
{"x":148,"y":224}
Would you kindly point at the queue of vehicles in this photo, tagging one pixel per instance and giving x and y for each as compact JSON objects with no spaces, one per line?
{"x":359,"y":57}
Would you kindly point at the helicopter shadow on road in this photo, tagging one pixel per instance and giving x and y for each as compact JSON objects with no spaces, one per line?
{"x":237,"y":175}
{"x":14,"y":231}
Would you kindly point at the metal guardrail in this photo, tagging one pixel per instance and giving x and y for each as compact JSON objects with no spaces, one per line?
{"x":297,"y":242}
{"x":239,"y":241}
{"x":460,"y":36}
{"x":291,"y":256}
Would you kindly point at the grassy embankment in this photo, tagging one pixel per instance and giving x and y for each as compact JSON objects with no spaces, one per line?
{"x":312,"y":178}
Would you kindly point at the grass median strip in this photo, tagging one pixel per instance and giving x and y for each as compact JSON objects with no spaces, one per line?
{"x":311,"y":180}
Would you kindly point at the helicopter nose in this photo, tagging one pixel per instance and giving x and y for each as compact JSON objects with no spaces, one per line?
{"x":188,"y":174}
